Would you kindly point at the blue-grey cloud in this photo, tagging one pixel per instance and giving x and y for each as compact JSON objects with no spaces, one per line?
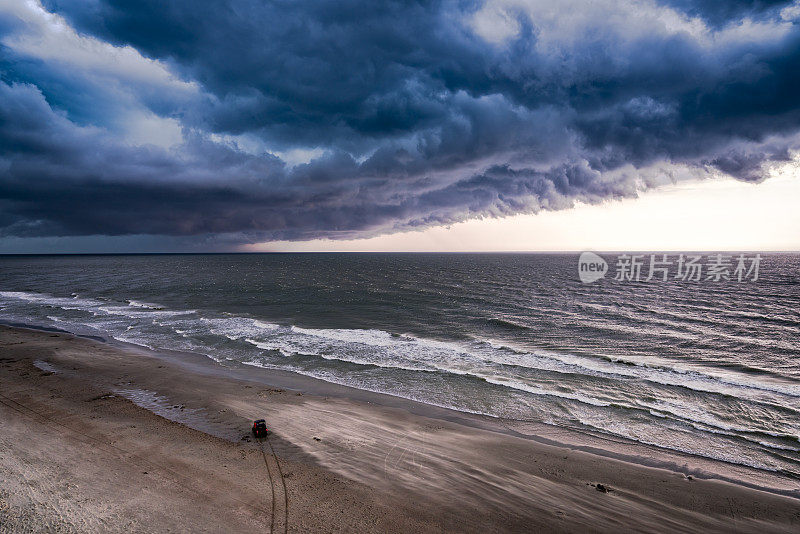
{"x":183,"y":118}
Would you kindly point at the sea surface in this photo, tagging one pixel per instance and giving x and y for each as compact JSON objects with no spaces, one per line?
{"x":707,"y":368}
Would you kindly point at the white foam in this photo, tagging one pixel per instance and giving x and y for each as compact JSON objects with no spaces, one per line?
{"x":778,"y":447}
{"x":71,"y":303}
{"x":663,"y":372}
{"x":536,"y":390}
{"x":237,"y":328}
{"x":145,"y":305}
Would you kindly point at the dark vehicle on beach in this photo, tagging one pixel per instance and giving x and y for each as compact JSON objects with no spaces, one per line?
{"x":260,"y":428}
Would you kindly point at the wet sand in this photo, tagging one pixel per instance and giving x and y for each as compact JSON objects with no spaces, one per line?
{"x":98,"y":437}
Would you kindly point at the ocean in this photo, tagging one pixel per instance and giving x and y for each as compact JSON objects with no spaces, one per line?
{"x":709,"y":368}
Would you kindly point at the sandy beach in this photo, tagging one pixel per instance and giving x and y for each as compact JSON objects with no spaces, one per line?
{"x":99,"y":437}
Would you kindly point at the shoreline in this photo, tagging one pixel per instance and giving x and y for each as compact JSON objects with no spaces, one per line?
{"x":453,"y":470}
{"x":612,"y":447}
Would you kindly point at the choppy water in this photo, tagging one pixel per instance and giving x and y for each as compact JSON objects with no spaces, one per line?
{"x":705,"y":368}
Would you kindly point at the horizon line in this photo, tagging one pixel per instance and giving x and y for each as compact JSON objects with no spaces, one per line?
{"x":256,"y":253}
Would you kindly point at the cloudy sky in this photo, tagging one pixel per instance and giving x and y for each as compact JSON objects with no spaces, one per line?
{"x":398,"y":125}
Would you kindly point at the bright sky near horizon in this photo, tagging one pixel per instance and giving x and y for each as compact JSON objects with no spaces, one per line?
{"x":721,"y":214}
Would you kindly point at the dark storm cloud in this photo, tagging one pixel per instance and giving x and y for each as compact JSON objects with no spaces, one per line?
{"x":417,"y":113}
{"x":719,"y":13}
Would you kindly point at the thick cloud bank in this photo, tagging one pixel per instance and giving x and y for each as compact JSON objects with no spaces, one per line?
{"x":280,"y":119}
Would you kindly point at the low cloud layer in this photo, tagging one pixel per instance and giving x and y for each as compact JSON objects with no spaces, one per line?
{"x":262,"y":120}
